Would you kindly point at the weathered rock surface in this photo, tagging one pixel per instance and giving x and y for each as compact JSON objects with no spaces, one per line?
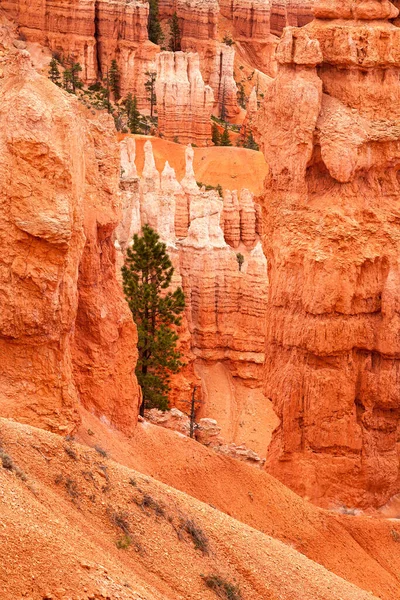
{"x":184,"y":102}
{"x":225,"y":306}
{"x":295,"y":13}
{"x":65,"y":334}
{"x":206,"y":431}
{"x":93,"y":32}
{"x":330,"y":236}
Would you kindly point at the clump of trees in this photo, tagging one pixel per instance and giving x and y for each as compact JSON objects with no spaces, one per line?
{"x":105,"y":94}
{"x":147,"y":275}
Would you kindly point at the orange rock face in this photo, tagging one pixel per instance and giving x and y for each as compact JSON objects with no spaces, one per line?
{"x":94,"y":33}
{"x":222,"y":334}
{"x":295,"y":13}
{"x":184,"y":102}
{"x":57,"y":283}
{"x":329,"y":132}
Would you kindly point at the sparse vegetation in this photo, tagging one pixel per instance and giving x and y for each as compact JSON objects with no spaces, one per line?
{"x":395,"y":535}
{"x":208,"y":188}
{"x":222,"y":588}
{"x":54,"y":72}
{"x":227,"y":39}
{"x":151,"y":90}
{"x":240,"y":260}
{"x":71,"y":452}
{"x":132,"y":482}
{"x":148,"y":502}
{"x":153,"y":26}
{"x":100,"y":451}
{"x":114,"y":79}
{"x":175,"y":33}
{"x":6,"y":461}
{"x":225,"y":138}
{"x":197,"y":535}
{"x":120,"y":520}
{"x":124,"y":542}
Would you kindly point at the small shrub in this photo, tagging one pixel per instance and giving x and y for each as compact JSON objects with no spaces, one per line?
{"x":100,"y":451}
{"x":228,"y":40}
{"x":132,"y":482}
{"x":20,"y":474}
{"x":198,"y":536}
{"x":148,"y":502}
{"x":6,"y":461}
{"x":222,"y":588}
{"x":71,"y":452}
{"x":72,"y":488}
{"x":395,"y":535}
{"x":240,"y":260}
{"x":120,"y":520}
{"x":123,"y":542}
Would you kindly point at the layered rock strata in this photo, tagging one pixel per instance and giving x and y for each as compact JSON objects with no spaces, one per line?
{"x":184,"y":102}
{"x":329,"y":128}
{"x":65,"y":334}
{"x":295,"y":13}
{"x":225,"y":304}
{"x":93,"y":33}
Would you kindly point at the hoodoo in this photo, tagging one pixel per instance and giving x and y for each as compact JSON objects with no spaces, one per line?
{"x":329,"y":129}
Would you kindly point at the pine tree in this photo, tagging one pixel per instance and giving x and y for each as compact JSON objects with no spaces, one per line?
{"x":114,"y":80}
{"x":54,"y":72}
{"x":153,"y":25}
{"x":71,"y":78}
{"x":175,"y":39}
{"x":251,"y":142}
{"x":225,"y":139}
{"x":147,"y":275}
{"x":150,"y":87}
{"x":134,"y":123}
{"x":215,"y":135}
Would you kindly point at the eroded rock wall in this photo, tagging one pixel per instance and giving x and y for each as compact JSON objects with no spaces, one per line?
{"x":222,"y":334}
{"x":330,"y":134}
{"x":57,"y":273}
{"x":93,"y":33}
{"x":184,"y":102}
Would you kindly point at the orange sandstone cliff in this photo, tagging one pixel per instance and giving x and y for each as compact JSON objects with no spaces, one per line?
{"x":329,"y":131}
{"x":66,"y":336}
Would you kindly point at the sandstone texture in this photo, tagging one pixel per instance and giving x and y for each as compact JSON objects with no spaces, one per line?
{"x":222,"y":334}
{"x":184,"y":102}
{"x":65,"y":334}
{"x":329,"y":128}
{"x":295,"y":13}
{"x":93,"y":33}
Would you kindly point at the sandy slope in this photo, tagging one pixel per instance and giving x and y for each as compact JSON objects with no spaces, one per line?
{"x":59,"y":530}
{"x":232,"y":168}
{"x":359,"y":549}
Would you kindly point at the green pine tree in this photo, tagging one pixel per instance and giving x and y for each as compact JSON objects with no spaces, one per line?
{"x":251,"y":142}
{"x":151,"y":90}
{"x":54,"y":72}
{"x":175,"y":33}
{"x":114,"y":79}
{"x":215,"y":135}
{"x":153,"y":25}
{"x":134,"y":121}
{"x":147,"y":275}
{"x":225,"y":139}
{"x":71,"y":79}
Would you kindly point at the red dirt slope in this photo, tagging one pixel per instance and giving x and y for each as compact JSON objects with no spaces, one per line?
{"x":65,"y":509}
